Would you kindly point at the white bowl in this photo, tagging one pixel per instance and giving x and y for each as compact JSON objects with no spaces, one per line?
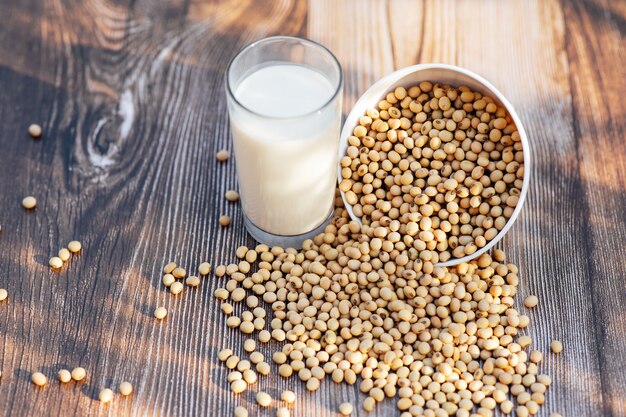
{"x":446,"y":74}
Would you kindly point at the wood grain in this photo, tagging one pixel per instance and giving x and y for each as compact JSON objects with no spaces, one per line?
{"x":130,"y":95}
{"x":595,"y":50}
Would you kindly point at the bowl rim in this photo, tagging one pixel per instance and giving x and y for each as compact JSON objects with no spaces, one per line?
{"x":390,"y":81}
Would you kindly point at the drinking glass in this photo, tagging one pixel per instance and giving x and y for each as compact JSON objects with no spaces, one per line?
{"x":286,"y":161}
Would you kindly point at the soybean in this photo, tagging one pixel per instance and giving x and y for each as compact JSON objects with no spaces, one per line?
{"x":556,"y":346}
{"x":160,"y":313}
{"x":106,"y":395}
{"x":78,"y":374}
{"x":232,"y":195}
{"x":263,"y":368}
{"x":39,"y":379}
{"x":263,"y":399}
{"x":74,"y":246}
{"x":176,"y":287}
{"x":29,"y":202}
{"x":204,"y":268}
{"x":168,"y":280}
{"x":224,"y":354}
{"x":169,"y":268}
{"x":238,"y":386}
{"x":249,"y":345}
{"x":222,"y":155}
{"x":64,"y":376}
{"x":531,"y":301}
{"x":64,"y":254}
{"x":55,"y":262}
{"x":35,"y":130}
{"x":192,"y":281}
{"x":288,"y":396}
{"x":126,"y":388}
{"x":240,"y":411}
{"x":345,"y":409}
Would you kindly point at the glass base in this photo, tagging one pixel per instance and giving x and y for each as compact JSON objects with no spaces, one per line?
{"x":292,"y":241}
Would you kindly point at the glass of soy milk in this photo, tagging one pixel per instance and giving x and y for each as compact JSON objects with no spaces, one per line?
{"x":284,"y":102}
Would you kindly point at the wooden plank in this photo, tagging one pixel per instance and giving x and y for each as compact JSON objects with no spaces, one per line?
{"x":525,"y":57}
{"x":520,"y":47}
{"x":595,"y":48}
{"x":363,"y":47}
{"x":358,"y":34}
{"x":132,"y":103}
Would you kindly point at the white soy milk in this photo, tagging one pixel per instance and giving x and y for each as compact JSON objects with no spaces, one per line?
{"x":286,"y":149}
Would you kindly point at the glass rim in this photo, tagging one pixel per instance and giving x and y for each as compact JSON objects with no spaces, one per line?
{"x":248,"y":47}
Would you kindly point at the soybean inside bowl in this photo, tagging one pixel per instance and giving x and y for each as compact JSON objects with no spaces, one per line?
{"x":442,"y":74}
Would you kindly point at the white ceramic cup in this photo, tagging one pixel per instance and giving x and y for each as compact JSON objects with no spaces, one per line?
{"x":445,"y":74}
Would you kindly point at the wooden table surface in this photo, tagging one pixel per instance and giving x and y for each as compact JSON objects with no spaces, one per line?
{"x":131,"y":99}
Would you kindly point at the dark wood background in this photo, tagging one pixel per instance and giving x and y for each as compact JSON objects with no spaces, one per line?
{"x":130,"y":96}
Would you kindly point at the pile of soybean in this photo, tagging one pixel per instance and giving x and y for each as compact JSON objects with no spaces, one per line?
{"x":354,"y":306}
{"x":445,"y":164}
